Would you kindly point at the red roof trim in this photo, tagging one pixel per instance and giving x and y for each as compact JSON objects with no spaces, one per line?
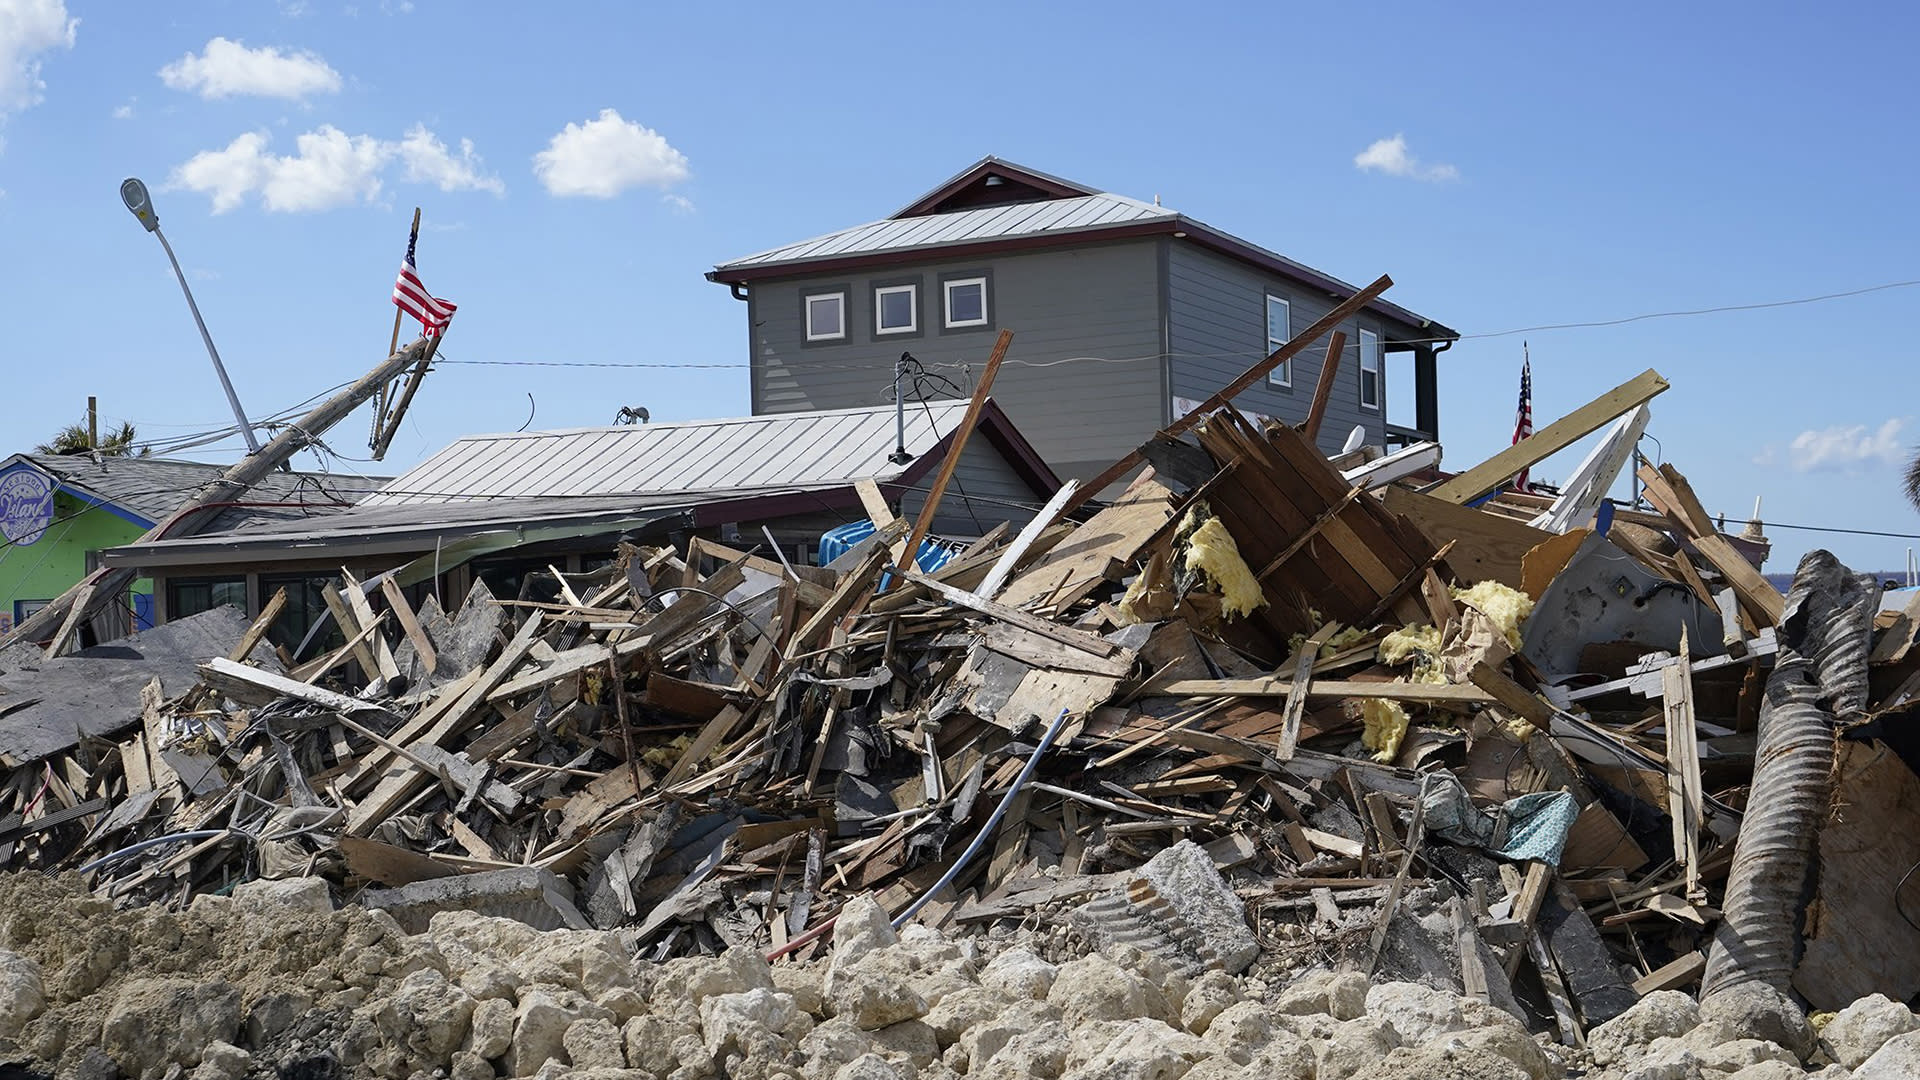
{"x":1060,"y":189}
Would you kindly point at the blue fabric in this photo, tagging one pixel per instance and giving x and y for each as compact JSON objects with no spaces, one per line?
{"x":1531,"y":827}
{"x":836,"y":542}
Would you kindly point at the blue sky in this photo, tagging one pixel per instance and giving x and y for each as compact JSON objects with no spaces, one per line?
{"x":581,"y":166}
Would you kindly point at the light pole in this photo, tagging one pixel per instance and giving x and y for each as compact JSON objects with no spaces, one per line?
{"x":134,"y":194}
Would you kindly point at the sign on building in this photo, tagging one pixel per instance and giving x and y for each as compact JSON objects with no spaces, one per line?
{"x":26,"y":506}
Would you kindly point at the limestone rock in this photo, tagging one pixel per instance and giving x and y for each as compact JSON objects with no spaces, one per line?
{"x":1208,"y":997}
{"x":274,"y":1013}
{"x":664,"y":1046}
{"x":309,"y":894}
{"x":159,"y":1022}
{"x":1661,"y":1014}
{"x":1758,"y":1011}
{"x":963,"y":1009}
{"x":861,"y":927}
{"x":22,"y":993}
{"x":1508,"y":1042}
{"x":426,"y":1019}
{"x":1897,"y":1059}
{"x":468,"y":1065}
{"x":1094,"y":988}
{"x":1419,"y":1014}
{"x":1019,"y":973}
{"x":589,"y":961}
{"x":1355,"y":1049}
{"x":874,"y":999}
{"x":1770,"y":1070}
{"x":982,"y":1041}
{"x":1209,"y":910}
{"x":1861,"y":1028}
{"x":909,"y":1040}
{"x":491,"y":1028}
{"x":594,"y":1043}
{"x":1038,"y":1054}
{"x":832,"y":1044}
{"x":874,"y":1067}
{"x":222,"y":1061}
{"x":748,"y":1022}
{"x":1342,"y":996}
{"x":805,"y":982}
{"x":1242,"y":1030}
{"x":539,"y":1032}
{"x":1137,"y":1049}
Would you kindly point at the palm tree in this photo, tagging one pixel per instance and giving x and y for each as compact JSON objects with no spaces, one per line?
{"x":1913,"y":480}
{"x":72,"y":439}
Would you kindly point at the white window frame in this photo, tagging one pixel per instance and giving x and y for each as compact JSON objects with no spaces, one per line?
{"x":946,"y":299}
{"x":913,"y":309}
{"x":1283,"y":374}
{"x":1379,"y":385}
{"x":806,"y":306}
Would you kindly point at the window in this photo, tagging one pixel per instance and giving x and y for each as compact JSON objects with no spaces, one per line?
{"x":896,"y":309}
{"x":1279,"y":331}
{"x":305,"y":608}
{"x":1369,"y":369}
{"x":826,"y":316}
{"x":966,"y":302}
{"x":191,"y":596}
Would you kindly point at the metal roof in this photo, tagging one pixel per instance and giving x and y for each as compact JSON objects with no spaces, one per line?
{"x":153,"y":488}
{"x":1056,"y":216}
{"x":806,"y":449}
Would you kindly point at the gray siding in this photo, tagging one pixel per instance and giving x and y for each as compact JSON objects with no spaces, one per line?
{"x":1217,"y":328}
{"x":1101,"y":300}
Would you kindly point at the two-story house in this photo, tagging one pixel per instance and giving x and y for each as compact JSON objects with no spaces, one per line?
{"x":1126,"y":315}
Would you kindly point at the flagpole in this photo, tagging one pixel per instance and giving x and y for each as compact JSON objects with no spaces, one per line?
{"x":380,"y":407}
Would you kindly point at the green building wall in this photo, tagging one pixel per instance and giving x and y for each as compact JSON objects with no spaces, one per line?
{"x":49,"y":566}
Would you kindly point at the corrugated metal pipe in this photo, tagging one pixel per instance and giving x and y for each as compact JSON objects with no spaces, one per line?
{"x":1819,"y":679}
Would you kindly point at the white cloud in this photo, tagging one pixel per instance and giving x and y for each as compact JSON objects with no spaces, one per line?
{"x":328,"y":169}
{"x":603,"y":157}
{"x":331,"y":168}
{"x":125,"y":112}
{"x":29,"y":28}
{"x":680,"y":203}
{"x":428,"y":162}
{"x":295,"y":9}
{"x":1844,"y":447}
{"x":227,"y":69}
{"x":1390,"y":156}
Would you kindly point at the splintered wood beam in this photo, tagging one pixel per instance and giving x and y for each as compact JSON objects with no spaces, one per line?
{"x":260,"y":626}
{"x":1490,"y":474}
{"x":923,"y":522}
{"x":1326,"y":688}
{"x":1757,"y":594}
{"x":1294,"y":347}
{"x":1296,"y":708}
{"x":1685,"y":799}
{"x":1003,"y":567}
{"x":1323,"y":390}
{"x":409,"y":622}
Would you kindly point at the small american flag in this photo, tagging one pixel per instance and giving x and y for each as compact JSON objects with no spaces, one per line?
{"x":1523,"y":419}
{"x":414,"y":299}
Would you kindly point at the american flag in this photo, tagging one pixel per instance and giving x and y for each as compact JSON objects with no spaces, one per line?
{"x":414,"y":299}
{"x":1523,"y":418}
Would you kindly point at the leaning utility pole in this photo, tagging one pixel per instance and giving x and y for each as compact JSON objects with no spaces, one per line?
{"x":63,"y":617}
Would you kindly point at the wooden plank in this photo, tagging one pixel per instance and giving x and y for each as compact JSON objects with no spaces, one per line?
{"x":572,"y":662}
{"x":1010,"y":558}
{"x":1494,"y":472}
{"x":1670,"y":494}
{"x":1486,"y":547}
{"x":410,"y":623}
{"x":1340,"y":313}
{"x":1441,"y":609}
{"x":709,"y":736}
{"x":1323,"y":389}
{"x":1330,"y":688}
{"x":956,"y":444}
{"x":153,"y":722}
{"x":1682,"y":972}
{"x":356,"y":598}
{"x":260,"y":626}
{"x":1685,"y":797}
{"x":873,"y":502}
{"x":1297,"y":693}
{"x":352,"y":627}
{"x":1757,"y":594}
{"x":244,"y":682}
{"x":1065,"y":635}
{"x":1512,"y":695}
{"x":1313,"y":530}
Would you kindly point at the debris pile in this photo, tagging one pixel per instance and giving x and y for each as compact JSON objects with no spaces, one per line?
{"x":1261,"y":711}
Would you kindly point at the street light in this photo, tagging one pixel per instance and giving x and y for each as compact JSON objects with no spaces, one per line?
{"x":134,"y":194}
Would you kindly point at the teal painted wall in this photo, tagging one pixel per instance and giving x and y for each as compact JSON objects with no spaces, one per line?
{"x":49,"y":566}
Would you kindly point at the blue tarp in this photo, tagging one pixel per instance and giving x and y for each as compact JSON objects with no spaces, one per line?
{"x":834,"y":543}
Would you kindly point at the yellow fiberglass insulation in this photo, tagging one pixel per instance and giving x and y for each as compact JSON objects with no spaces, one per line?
{"x":1419,"y":645}
{"x":1508,"y":607}
{"x":1386,"y":725}
{"x":1211,"y":551}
